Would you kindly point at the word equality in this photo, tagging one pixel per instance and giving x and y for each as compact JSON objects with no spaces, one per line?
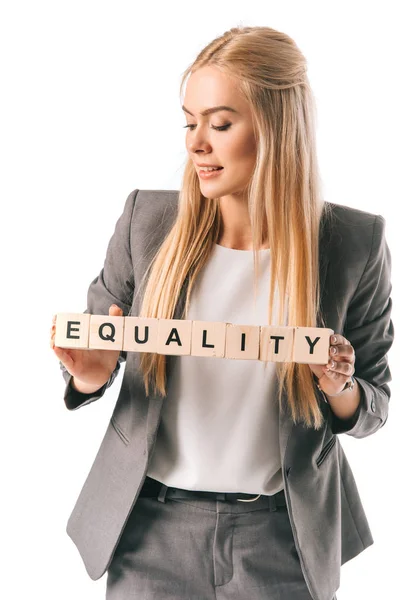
{"x":196,"y":338}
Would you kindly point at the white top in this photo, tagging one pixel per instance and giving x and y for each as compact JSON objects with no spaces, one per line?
{"x":219,"y":421}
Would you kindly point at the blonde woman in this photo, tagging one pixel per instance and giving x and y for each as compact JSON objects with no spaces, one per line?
{"x":222,"y":478}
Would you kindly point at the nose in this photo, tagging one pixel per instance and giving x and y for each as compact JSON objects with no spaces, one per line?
{"x":198,"y":141}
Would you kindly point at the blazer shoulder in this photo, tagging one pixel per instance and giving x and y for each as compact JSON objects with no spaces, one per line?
{"x":158,"y":197}
{"x":346,"y":225}
{"x":347,"y":216}
{"x":155,"y":204}
{"x":153,"y":216}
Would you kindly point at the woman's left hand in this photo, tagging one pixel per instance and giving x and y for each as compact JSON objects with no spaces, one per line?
{"x":333,"y":377}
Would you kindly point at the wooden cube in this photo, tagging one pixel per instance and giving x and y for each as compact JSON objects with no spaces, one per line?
{"x":140,"y":334}
{"x":174,"y":336}
{"x":311,"y":345}
{"x":242,"y":341}
{"x":106,"y":332}
{"x":72,"y":330}
{"x":208,"y":339}
{"x":276,"y":343}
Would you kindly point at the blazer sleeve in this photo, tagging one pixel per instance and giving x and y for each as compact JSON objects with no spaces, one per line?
{"x":113,"y":285}
{"x":370,"y":331}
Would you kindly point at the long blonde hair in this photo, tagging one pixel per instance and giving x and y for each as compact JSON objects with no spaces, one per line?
{"x":283,"y":194}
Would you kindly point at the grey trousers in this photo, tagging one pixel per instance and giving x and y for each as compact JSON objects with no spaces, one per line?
{"x":206,"y":549}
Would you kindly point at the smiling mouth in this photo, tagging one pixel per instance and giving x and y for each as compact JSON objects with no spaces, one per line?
{"x":210,"y":170}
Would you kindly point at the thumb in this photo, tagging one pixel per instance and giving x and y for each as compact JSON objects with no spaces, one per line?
{"x":115,"y":311}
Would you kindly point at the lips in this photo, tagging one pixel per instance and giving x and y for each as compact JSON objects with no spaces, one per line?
{"x":200,"y":165}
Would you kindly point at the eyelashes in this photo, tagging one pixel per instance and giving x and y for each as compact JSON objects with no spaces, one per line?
{"x":221,"y":128}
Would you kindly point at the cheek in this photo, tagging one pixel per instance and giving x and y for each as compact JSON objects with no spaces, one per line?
{"x":250,"y":145}
{"x":243,"y":149}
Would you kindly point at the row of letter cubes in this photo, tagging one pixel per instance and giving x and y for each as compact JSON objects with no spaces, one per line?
{"x":196,"y":338}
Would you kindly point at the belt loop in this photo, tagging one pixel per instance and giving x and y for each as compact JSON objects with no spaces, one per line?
{"x":221,"y":496}
{"x":162,"y":492}
{"x":272,"y":503}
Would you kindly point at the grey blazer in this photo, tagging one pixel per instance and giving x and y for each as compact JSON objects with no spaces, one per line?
{"x":328,"y":520}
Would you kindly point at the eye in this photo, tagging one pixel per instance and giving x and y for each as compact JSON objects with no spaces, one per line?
{"x":221,"y":128}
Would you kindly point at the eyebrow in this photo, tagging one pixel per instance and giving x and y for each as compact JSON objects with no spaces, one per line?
{"x":214,"y":109}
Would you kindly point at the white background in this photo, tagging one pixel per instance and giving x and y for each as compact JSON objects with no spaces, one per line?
{"x":90,"y":110}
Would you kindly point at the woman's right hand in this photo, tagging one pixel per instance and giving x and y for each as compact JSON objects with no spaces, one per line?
{"x":89,"y":366}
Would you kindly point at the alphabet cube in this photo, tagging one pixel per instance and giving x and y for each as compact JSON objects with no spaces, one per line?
{"x":72,"y":330}
{"x":141,"y":334}
{"x":276,"y":344}
{"x":242,"y":341}
{"x":106,"y":332}
{"x":208,"y":339}
{"x":311,"y":345}
{"x":174,"y":336}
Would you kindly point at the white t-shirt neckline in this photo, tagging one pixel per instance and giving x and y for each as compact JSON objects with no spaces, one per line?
{"x":242,"y":251}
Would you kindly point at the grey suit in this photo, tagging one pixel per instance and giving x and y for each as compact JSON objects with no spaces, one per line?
{"x":327,"y":517}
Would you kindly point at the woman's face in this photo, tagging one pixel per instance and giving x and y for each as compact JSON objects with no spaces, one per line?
{"x":234,"y":146}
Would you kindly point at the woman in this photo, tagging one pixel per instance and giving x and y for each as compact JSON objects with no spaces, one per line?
{"x":225,"y":478}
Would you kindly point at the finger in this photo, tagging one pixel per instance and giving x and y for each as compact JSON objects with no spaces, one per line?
{"x":342,"y":368}
{"x":52,"y":339}
{"x":337,"y":339}
{"x":334,"y":382}
{"x":341,"y":350}
{"x":64,"y":358}
{"x":115,"y":310}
